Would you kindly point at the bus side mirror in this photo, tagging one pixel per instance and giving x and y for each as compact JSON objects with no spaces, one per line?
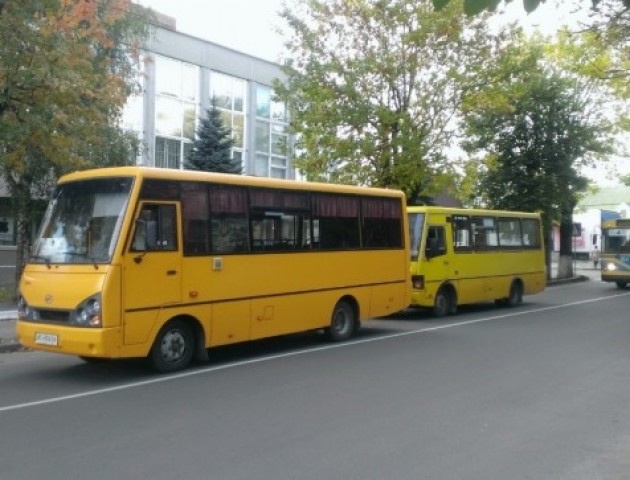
{"x":140,"y":235}
{"x":146,"y":236}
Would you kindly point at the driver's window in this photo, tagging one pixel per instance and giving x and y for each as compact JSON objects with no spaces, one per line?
{"x":156,"y":229}
{"x":436,"y":242}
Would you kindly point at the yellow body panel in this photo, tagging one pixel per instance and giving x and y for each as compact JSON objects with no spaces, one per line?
{"x":89,"y":342}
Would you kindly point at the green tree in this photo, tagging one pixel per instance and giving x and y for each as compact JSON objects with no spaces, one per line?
{"x":535,"y":129}
{"x":211,"y":151}
{"x":474,"y":7}
{"x":374,"y":87}
{"x":66,"y":69}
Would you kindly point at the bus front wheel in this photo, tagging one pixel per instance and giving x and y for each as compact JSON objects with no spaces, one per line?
{"x":173,"y":347}
{"x":444,"y":303}
{"x":621,"y":284}
{"x":342,"y":323}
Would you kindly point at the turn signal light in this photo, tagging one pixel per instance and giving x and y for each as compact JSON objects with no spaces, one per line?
{"x":417,"y":282}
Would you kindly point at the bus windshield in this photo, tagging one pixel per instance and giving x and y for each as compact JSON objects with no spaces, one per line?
{"x":416,"y":223}
{"x":82,"y":222}
{"x":616,"y":240}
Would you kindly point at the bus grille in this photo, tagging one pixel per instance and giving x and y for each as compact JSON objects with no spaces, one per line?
{"x":57,"y":316}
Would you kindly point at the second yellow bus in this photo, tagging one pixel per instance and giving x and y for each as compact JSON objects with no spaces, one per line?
{"x":464,"y":256}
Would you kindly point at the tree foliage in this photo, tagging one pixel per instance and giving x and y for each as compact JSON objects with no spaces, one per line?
{"x":66,"y":69}
{"x":211,"y":151}
{"x":474,"y":7}
{"x":601,"y":50}
{"x":534,"y":128}
{"x":374,"y":87}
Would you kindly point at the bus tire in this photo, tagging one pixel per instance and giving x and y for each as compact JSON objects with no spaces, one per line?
{"x":173,"y":348}
{"x":343,"y":322}
{"x":516,"y":295}
{"x":621,"y":284}
{"x":444,"y":303}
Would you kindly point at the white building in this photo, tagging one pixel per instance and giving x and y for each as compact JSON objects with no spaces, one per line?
{"x":606,"y":203}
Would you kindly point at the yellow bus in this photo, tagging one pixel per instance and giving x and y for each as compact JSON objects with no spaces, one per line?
{"x":464,"y":256}
{"x":164,"y":264}
{"x":615,"y":252}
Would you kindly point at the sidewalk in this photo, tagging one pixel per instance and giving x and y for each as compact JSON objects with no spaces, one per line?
{"x":584,"y":271}
{"x":8,"y":342}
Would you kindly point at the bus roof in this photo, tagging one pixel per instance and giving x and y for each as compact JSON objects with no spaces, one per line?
{"x":224,"y":178}
{"x":469,"y":211}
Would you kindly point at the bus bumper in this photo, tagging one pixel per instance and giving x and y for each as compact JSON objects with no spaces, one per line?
{"x":608,"y":277}
{"x":88,"y":342}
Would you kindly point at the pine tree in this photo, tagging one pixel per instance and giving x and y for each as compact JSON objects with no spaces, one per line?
{"x":212,"y":146}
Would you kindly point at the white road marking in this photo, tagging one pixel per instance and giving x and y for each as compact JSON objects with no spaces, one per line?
{"x":295,"y":353}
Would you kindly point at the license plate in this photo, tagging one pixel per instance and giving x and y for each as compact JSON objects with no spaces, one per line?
{"x":46,"y":339}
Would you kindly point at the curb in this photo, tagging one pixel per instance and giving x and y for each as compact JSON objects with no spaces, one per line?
{"x":563,"y":281}
{"x":11,"y":346}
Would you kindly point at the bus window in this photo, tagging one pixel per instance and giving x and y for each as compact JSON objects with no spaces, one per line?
{"x":484,"y":233}
{"x":531,"y":233}
{"x":510,"y":232}
{"x":461,"y":233}
{"x":156,"y":229}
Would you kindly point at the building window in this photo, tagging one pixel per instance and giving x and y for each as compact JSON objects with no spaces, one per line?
{"x":131,"y":118}
{"x":272,"y":140}
{"x":176,"y":106}
{"x":167,"y":152}
{"x":228,"y":95}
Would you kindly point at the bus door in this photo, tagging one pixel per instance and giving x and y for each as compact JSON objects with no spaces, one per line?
{"x":437,"y":263}
{"x":152,"y":268}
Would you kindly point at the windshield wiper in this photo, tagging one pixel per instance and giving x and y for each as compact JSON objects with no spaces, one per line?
{"x":42,"y":257}
{"x":91,"y":258}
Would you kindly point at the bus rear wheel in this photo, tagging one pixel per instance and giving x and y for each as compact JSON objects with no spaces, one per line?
{"x":343,"y":322}
{"x":621,"y":284}
{"x":516,"y":295}
{"x":173,"y":347}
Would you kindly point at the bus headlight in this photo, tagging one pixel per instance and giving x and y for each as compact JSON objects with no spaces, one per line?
{"x":417,"y":282}
{"x":611,"y":267}
{"x":23,"y":311}
{"x":88,"y":313}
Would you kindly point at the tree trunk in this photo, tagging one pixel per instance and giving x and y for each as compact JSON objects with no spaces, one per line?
{"x":548,"y":239}
{"x":23,"y":249}
{"x":565,"y":262}
{"x":23,"y":207}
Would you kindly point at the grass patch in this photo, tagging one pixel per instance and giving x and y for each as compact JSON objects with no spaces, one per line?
{"x":7,"y":294}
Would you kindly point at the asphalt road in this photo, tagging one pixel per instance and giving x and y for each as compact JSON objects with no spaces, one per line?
{"x":538,"y":392}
